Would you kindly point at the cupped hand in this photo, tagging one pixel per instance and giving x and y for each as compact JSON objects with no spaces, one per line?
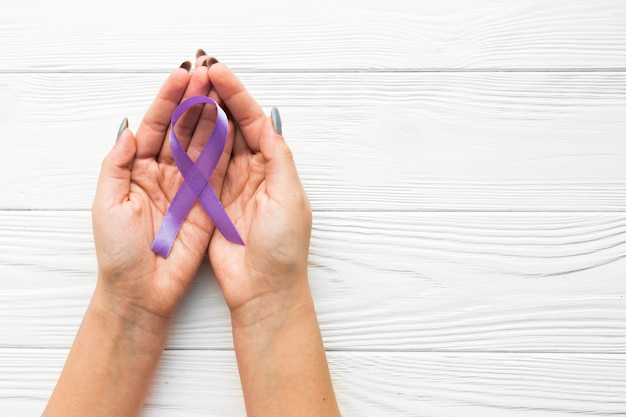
{"x":137,"y":182}
{"x":264,"y":197}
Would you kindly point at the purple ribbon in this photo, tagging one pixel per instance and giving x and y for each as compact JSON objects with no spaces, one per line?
{"x":196,"y":181}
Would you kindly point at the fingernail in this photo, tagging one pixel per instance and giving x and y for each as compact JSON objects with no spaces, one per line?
{"x":200,"y":52}
{"x":278,"y":124}
{"x":123,"y":126}
{"x":186,"y":65}
{"x":210,"y":61}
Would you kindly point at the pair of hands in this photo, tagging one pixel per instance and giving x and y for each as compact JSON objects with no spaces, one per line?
{"x":118,"y":345}
{"x":256,"y":181}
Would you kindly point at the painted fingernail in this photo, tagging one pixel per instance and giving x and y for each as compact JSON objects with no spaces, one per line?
{"x":200,"y":52}
{"x":210,"y":61}
{"x":123,"y":126}
{"x":276,"y":121}
{"x":186,"y":65}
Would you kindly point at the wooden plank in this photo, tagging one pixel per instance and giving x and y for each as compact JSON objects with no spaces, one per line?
{"x":531,"y":282}
{"x":401,"y":141}
{"x":328,"y":34}
{"x":194,"y":383}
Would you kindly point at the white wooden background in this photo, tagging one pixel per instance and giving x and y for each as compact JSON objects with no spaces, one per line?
{"x":466,"y":163}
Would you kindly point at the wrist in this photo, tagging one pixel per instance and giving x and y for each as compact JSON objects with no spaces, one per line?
{"x":111,"y":363}
{"x":272,"y":307}
{"x":281,"y":357}
{"x":135,"y":319}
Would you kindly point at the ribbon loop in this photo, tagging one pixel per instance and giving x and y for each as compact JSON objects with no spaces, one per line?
{"x":195,"y":185}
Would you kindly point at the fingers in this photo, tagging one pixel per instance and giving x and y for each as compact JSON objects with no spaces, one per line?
{"x":153,"y":128}
{"x":114,"y":181}
{"x":185,"y":128}
{"x":242,"y":106}
{"x":194,"y":127}
{"x":217,"y":178}
{"x":204,"y":60}
{"x":199,"y":121}
{"x":281,"y":175}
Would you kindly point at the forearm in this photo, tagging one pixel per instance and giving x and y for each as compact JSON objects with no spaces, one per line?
{"x":111,"y":363}
{"x":281,"y":357}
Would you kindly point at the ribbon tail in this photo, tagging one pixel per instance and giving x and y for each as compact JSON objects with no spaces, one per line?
{"x":195,"y":184}
{"x":216,"y":211}
{"x":173,"y":220}
{"x":164,"y":240}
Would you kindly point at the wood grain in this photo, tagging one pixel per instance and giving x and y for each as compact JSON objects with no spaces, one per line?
{"x":200,"y":383}
{"x":117,"y":35}
{"x":518,"y":282}
{"x":402,"y":141}
{"x":464,"y":159}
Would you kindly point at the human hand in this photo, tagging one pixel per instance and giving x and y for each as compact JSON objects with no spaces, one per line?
{"x":124,"y":330}
{"x":263,"y":196}
{"x":265,"y":282}
{"x":137,"y":182}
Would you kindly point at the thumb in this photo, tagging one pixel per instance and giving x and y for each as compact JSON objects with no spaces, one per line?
{"x":280,"y":169}
{"x":114,"y":181}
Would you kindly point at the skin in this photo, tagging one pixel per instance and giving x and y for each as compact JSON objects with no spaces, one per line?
{"x":280,"y":354}
{"x":279,"y":349}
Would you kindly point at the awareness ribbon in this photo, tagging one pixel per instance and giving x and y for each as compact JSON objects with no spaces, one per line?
{"x":195,"y":185}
